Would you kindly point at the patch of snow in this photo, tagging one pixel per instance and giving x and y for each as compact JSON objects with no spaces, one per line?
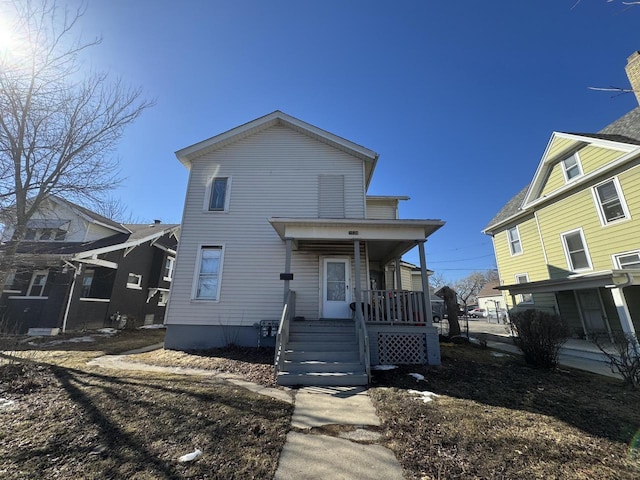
{"x":384,"y":367}
{"x":417,"y":376}
{"x":426,"y":397}
{"x":85,"y":339}
{"x":108,"y":331}
{"x":153,"y":326}
{"x":189,"y":457}
{"x":474,"y":340}
{"x":5,"y":402}
{"x":498,"y":354}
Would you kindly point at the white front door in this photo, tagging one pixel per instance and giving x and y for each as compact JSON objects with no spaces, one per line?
{"x":336,"y":295}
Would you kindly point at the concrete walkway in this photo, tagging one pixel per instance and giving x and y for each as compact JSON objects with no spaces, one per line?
{"x":334,"y":430}
{"x":333,"y":436}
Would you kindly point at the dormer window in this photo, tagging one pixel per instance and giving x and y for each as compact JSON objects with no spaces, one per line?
{"x":571,"y":167}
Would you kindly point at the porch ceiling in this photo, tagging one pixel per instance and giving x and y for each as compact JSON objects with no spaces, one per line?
{"x":609,"y":278}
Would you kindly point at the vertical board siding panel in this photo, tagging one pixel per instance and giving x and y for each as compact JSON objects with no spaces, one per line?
{"x":274,"y":173}
{"x":331,"y":196}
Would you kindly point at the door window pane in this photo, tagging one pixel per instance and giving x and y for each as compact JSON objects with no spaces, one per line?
{"x":336,"y":281}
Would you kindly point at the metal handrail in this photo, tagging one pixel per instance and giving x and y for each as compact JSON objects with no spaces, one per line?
{"x":283,"y":331}
{"x":363,"y":343}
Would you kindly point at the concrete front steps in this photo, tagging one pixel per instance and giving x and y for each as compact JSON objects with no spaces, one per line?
{"x":322,"y":353}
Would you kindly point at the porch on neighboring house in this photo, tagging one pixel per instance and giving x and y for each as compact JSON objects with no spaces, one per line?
{"x":594,"y":304}
{"x":364,"y":314}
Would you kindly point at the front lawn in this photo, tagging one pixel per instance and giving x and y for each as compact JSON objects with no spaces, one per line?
{"x":495,"y":417}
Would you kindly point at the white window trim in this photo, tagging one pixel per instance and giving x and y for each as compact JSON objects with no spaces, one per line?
{"x":615,"y":261}
{"x":519,"y":241}
{"x":564,"y":169}
{"x":173,"y":264}
{"x":134,"y":286}
{"x":598,"y":203}
{"x":33,"y":277}
{"x":99,"y":300}
{"x":521,"y":296}
{"x":568,"y":256}
{"x":196,"y":273}
{"x":162,"y":292}
{"x":227,"y":196}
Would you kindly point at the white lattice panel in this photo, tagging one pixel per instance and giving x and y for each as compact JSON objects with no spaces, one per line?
{"x":402,"y":348}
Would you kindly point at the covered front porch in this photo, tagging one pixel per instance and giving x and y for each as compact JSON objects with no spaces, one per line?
{"x":360,"y":279}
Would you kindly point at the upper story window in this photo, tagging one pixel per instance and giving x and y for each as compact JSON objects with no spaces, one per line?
{"x":207,"y":285}
{"x":514,"y":241}
{"x":571,"y":167}
{"x":575,"y":249}
{"x":168,"y":268}
{"x":525,"y":297}
{"x":38,"y":281}
{"x":610,"y":202}
{"x":46,"y":230}
{"x":627,"y":260}
{"x":87,"y":281}
{"x":134,"y":281}
{"x":9,"y":280}
{"x":218,"y":194}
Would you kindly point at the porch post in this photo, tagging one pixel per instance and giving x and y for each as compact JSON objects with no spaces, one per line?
{"x":287,"y":267}
{"x":425,"y":283}
{"x":623,"y":312}
{"x":398,"y":275}
{"x":356,"y":262}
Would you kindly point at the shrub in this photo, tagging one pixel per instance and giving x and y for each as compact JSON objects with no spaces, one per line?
{"x":623,"y":356}
{"x":539,"y":335}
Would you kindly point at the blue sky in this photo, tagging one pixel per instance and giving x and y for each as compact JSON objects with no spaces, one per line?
{"x":459,"y":98}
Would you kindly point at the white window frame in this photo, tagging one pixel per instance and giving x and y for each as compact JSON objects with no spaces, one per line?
{"x":598,"y":201}
{"x":196,"y":272}
{"x":568,"y":254}
{"x":565,"y":169}
{"x":522,"y":297}
{"x":163,"y":297}
{"x":9,"y":281}
{"x":138,"y":284}
{"x":172,"y":263}
{"x":616,"y":258}
{"x":511,"y":242}
{"x":84,"y":277}
{"x":209,"y":192}
{"x":33,"y":277}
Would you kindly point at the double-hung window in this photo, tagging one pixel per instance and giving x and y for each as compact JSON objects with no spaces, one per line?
{"x":514,"y":241}
{"x":575,"y":249}
{"x":610,"y":202}
{"x":38,"y":281}
{"x":168,"y":268}
{"x":627,"y":260}
{"x":134,"y":281}
{"x":571,"y":167}
{"x":87,"y":281}
{"x":524,"y":297}
{"x":207,"y":285}
{"x":219,"y":194}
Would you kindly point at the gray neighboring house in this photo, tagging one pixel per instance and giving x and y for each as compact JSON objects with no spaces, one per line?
{"x":278,"y":229}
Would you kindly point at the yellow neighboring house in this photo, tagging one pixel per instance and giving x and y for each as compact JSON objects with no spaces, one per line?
{"x":570,"y":241}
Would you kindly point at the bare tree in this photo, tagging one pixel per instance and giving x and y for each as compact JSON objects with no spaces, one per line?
{"x":115,"y":209}
{"x":437,"y":280}
{"x":58,"y":123}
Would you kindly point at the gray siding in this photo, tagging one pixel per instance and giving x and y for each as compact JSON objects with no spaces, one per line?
{"x":382,"y":210}
{"x":273,"y":173}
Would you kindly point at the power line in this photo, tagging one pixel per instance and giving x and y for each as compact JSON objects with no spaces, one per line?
{"x":461,"y":260}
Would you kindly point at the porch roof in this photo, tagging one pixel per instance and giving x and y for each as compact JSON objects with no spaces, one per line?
{"x":606,"y":278}
{"x":386,"y":239}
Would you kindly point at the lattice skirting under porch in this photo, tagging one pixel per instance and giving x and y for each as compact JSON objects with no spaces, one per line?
{"x":402,"y":348}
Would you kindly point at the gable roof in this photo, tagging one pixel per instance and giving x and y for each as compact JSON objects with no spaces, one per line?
{"x":489,"y":290}
{"x":188,"y":154}
{"x":622,"y":133}
{"x":90,"y":215}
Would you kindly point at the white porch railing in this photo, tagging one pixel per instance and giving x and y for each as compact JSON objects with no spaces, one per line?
{"x":288,"y":311}
{"x":393,"y":306}
{"x":363,"y":344}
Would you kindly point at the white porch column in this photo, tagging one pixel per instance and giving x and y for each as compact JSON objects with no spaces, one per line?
{"x":623,"y":312}
{"x":398,"y":275}
{"x":356,"y":262}
{"x":425,"y":283}
{"x":287,"y":267}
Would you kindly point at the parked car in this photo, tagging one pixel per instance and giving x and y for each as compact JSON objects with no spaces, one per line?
{"x":478,"y":313}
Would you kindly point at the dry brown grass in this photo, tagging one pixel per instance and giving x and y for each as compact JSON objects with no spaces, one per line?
{"x":496,"y":418}
{"x":72,"y":421}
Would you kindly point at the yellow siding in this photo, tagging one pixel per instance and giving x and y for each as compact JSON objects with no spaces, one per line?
{"x":593,"y":158}
{"x":531,"y":261}
{"x":558,"y":146}
{"x":555,"y":180}
{"x":580,"y":210}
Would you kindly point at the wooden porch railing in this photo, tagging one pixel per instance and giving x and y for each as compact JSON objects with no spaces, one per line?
{"x":288,"y":312}
{"x":393,"y":306}
{"x":363,"y":343}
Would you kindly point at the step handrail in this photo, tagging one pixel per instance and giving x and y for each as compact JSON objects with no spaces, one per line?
{"x":363,"y":343}
{"x":282,"y":337}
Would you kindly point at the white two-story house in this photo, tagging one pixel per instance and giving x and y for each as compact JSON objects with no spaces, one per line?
{"x":278,"y":227}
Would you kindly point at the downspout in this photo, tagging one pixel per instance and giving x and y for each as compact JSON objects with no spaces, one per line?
{"x":76,"y":272}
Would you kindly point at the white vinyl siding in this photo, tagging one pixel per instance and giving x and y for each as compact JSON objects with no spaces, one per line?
{"x":575,"y":248}
{"x":275,"y":174}
{"x":610,"y":202}
{"x":381,"y":209}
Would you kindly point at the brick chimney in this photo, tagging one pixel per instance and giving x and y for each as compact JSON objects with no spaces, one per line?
{"x":633,"y":72}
